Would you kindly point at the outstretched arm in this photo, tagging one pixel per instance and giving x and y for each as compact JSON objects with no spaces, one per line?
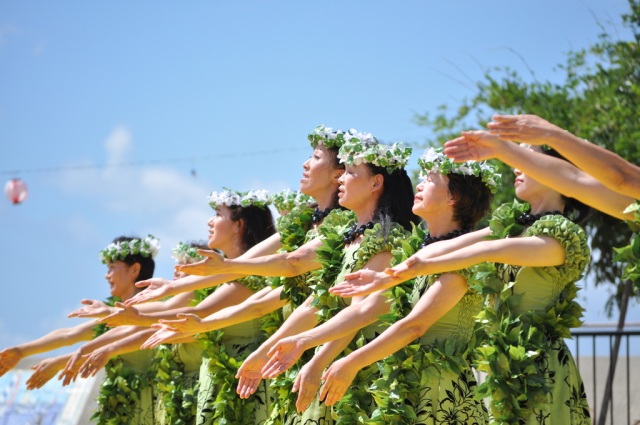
{"x":441,"y":296}
{"x":552,"y":172}
{"x":607,"y":167}
{"x":364,"y":282}
{"x":9,"y":357}
{"x":258,"y":305}
{"x":208,"y":266}
{"x":531,"y":251}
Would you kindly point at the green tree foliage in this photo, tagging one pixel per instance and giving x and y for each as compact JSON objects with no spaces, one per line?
{"x":598,"y":99}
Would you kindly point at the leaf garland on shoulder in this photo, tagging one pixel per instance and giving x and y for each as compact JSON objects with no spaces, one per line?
{"x":120,"y":392}
{"x":179,"y":402}
{"x":331,"y":256}
{"x":630,"y":254}
{"x":510,"y":346}
{"x":295,"y":230}
{"x":101,"y":328}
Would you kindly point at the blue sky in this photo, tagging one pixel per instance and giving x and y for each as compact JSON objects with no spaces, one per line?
{"x":122,"y":117}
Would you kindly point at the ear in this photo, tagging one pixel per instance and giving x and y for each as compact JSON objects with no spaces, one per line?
{"x":238,"y":226}
{"x":378,"y":181}
{"x":135,"y":269}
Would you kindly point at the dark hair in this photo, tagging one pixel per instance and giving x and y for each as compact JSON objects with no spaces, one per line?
{"x":258,"y":224}
{"x":147,"y":265}
{"x":472,"y":196}
{"x":336,"y":164}
{"x":574,"y":209}
{"x":396,"y":200}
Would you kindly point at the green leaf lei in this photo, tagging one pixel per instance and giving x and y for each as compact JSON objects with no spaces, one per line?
{"x":286,"y":200}
{"x":630,"y":254}
{"x":180,"y":402}
{"x":510,"y":344}
{"x":120,"y":393}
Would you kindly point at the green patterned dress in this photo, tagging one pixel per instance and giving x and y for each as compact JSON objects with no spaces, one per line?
{"x":176,"y":383}
{"x":296,"y":290}
{"x":224,"y":352}
{"x":431,"y":380}
{"x":532,"y":376}
{"x":358,"y":404}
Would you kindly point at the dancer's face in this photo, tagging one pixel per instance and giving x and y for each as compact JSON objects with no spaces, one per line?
{"x":432,"y":195}
{"x":527,"y":188}
{"x":319,"y":174}
{"x":121,"y":278}
{"x":357,"y":185}
{"x":223,"y":231}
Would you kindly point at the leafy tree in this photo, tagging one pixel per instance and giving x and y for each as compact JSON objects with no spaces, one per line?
{"x":599,"y":100}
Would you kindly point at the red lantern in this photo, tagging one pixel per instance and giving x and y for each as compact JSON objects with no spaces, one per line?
{"x":16,"y":191}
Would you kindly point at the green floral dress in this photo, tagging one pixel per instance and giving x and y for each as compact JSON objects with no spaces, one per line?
{"x":358,"y":404}
{"x":224,"y":352}
{"x":296,"y":290}
{"x":532,"y":376}
{"x":176,"y":383}
{"x":126,"y":394}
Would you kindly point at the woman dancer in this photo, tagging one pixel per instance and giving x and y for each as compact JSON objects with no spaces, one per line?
{"x":534,"y":261}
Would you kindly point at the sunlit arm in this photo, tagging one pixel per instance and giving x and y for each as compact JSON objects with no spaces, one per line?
{"x":532,"y":251}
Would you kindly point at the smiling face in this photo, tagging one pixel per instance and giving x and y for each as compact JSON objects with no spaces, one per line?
{"x":432,"y":195}
{"x":121,"y":278}
{"x":319,"y":173}
{"x":222,"y":229}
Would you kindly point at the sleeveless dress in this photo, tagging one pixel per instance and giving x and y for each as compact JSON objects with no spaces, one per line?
{"x":176,"y":383}
{"x":532,"y":376}
{"x":296,"y":290}
{"x":224,"y":351}
{"x":126,"y":395}
{"x":358,"y":404}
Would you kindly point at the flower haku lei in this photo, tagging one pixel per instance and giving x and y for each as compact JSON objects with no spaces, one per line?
{"x":434,"y":160}
{"x":147,"y":247}
{"x":336,"y":138}
{"x":230,"y":198}
{"x":357,"y":151}
{"x":186,"y":254}
{"x":289,"y":199}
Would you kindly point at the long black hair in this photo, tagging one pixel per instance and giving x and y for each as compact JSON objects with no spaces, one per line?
{"x":472,"y":199}
{"x":396,"y":200}
{"x":257,"y":224}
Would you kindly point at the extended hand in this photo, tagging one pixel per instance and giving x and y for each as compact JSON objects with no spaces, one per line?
{"x":250,"y":374}
{"x":95,"y":361}
{"x":473,"y":146}
{"x":337,"y":379}
{"x":156,"y":288}
{"x":529,"y":129}
{"x":306,"y":384}
{"x":43,"y":372}
{"x":163,"y":335}
{"x":9,"y":358}
{"x":92,"y":308}
{"x":188,"y":324}
{"x":406,"y":270}
{"x":125,"y":315}
{"x":282,"y":356}
{"x":213,"y":264}
{"x":362,"y":282}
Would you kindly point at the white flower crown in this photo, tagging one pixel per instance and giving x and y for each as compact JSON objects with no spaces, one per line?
{"x":288,"y":200}
{"x":147,"y":247}
{"x":434,"y":160}
{"x":230,"y":198}
{"x":358,"y":151}
{"x":186,"y":254}
{"x":328,"y":137}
